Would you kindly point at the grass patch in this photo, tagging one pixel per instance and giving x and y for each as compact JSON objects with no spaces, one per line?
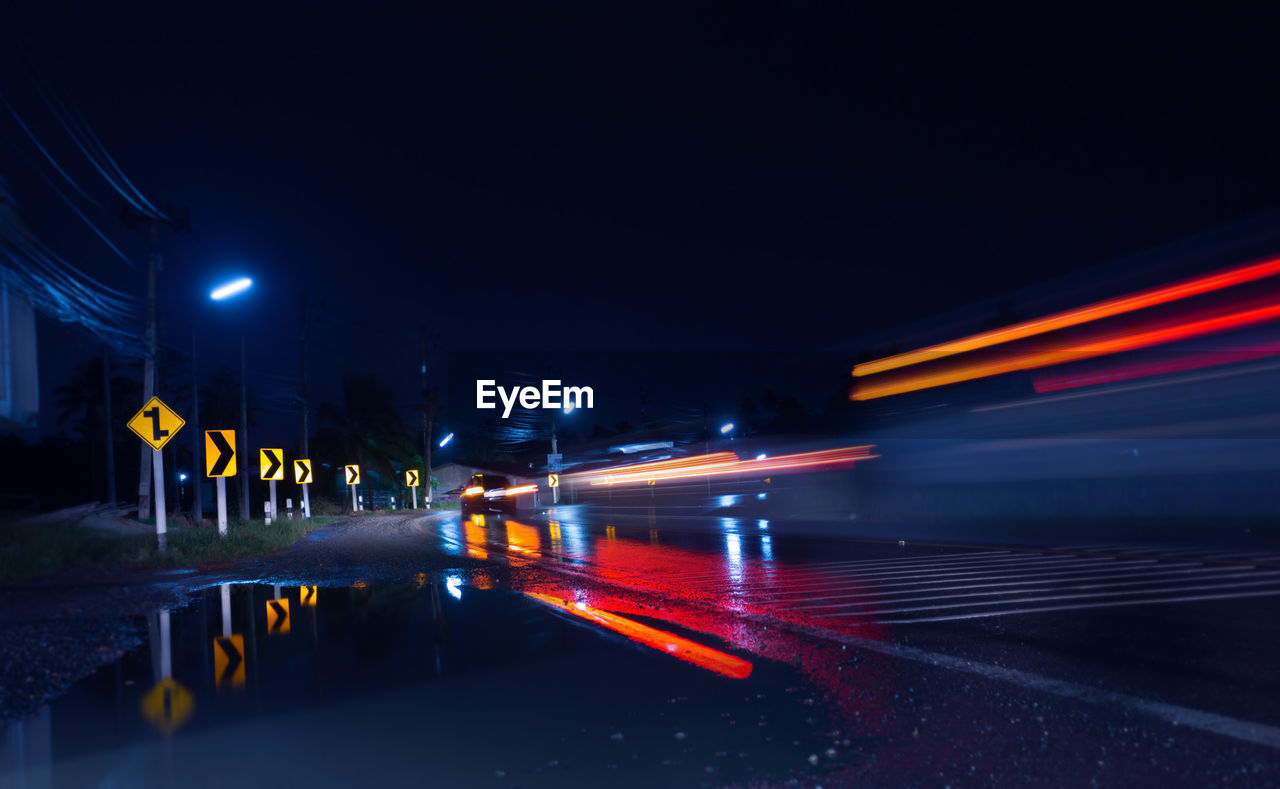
{"x":30,"y":550}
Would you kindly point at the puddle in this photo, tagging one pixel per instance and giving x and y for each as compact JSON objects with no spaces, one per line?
{"x":449,"y":680}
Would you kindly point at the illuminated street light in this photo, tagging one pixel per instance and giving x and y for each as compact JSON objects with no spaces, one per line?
{"x":726,"y":428}
{"x":568,"y":407}
{"x":444,"y":441}
{"x":230,"y":289}
{"x":182,"y":477}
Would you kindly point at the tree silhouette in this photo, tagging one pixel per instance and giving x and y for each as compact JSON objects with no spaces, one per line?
{"x":367,"y":429}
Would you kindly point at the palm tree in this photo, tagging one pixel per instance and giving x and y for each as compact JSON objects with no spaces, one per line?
{"x":368,"y":428}
{"x":82,"y":404}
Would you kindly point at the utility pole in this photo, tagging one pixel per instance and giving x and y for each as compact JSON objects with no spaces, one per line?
{"x":132,"y":219}
{"x":428,"y":413}
{"x":426,"y":425}
{"x":111,"y":447}
{"x":302,"y":359}
{"x":148,"y":380}
{"x":197,"y":506}
{"x":244,"y":436}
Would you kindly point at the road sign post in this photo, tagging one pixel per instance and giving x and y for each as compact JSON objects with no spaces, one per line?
{"x":413,"y":479}
{"x":353,"y":479}
{"x":220,"y":463}
{"x":302,"y":476}
{"x":156,"y":423}
{"x":271,"y":466}
{"x":222,"y":505}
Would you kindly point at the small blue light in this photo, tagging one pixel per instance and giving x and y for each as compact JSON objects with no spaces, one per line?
{"x":762,"y":523}
{"x":762,"y":496}
{"x":726,"y":427}
{"x":182,"y":477}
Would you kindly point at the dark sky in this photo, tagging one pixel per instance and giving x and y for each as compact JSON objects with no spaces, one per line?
{"x":737,"y":176}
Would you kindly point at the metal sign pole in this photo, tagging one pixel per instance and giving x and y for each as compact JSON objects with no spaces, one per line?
{"x":275,"y":513}
{"x":306,"y":501}
{"x":415,"y":497}
{"x":354,"y":506}
{"x":222,"y":506}
{"x":162,"y":526}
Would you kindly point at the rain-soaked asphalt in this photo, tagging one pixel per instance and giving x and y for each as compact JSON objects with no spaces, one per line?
{"x":569,"y":649}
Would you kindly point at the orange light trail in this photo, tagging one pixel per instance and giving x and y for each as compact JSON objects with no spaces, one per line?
{"x":690,"y":651}
{"x":1106,"y":344}
{"x":516,"y":491}
{"x":724,"y":463}
{"x":1164,"y":294}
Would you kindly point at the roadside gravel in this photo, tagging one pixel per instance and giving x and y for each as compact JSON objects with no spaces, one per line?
{"x":58,"y":629}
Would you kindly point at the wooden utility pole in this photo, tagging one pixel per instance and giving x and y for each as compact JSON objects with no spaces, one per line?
{"x":111,"y":447}
{"x":197,"y":506}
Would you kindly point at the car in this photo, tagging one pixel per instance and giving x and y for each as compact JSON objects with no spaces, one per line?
{"x":492,"y":493}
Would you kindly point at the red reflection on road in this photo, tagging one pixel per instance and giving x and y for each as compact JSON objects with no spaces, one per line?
{"x":682,"y":648}
{"x":726,"y":594}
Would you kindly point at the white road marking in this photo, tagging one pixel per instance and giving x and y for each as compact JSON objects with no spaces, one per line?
{"x":1049,"y":598}
{"x":1141,"y":579}
{"x":1081,"y":606}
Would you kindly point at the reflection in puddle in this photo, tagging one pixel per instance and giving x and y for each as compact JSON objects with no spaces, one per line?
{"x":523,"y":539}
{"x":682,"y":648}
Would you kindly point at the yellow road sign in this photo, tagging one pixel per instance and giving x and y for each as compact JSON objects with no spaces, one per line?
{"x":411,"y":478}
{"x":302,"y":472}
{"x":308,"y":595}
{"x":168,"y":705}
{"x":553,"y":480}
{"x":156,"y":423}
{"x":271,"y":463}
{"x":278,"y":616}
{"x":353,"y":475}
{"x":220,"y":453}
{"x":228,"y":661}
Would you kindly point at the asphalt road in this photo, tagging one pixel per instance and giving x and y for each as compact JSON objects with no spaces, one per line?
{"x":570,"y":649}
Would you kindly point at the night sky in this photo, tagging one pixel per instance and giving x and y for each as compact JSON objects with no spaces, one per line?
{"x":649,"y":177}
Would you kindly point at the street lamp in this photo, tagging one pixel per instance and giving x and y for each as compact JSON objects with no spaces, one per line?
{"x":444,"y":442}
{"x":726,"y":428}
{"x":232,"y":288}
{"x":221,"y":293}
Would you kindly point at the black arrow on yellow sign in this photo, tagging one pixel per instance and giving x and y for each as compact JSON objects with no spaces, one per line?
{"x":275,"y":460}
{"x":277,"y":616}
{"x":302,"y":471}
{"x":225,"y":452}
{"x":228,"y":660}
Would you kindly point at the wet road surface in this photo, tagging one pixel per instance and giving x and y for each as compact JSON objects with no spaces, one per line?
{"x":563,"y":649}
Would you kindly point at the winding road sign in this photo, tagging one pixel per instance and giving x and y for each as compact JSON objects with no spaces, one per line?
{"x":353,"y":475}
{"x":228,"y":661}
{"x":168,"y":705}
{"x":220,"y":453}
{"x":302,"y":472}
{"x":307,"y":596}
{"x":271,"y":463}
{"x":278,"y":616}
{"x":156,"y":423}
{"x":411,"y":478}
